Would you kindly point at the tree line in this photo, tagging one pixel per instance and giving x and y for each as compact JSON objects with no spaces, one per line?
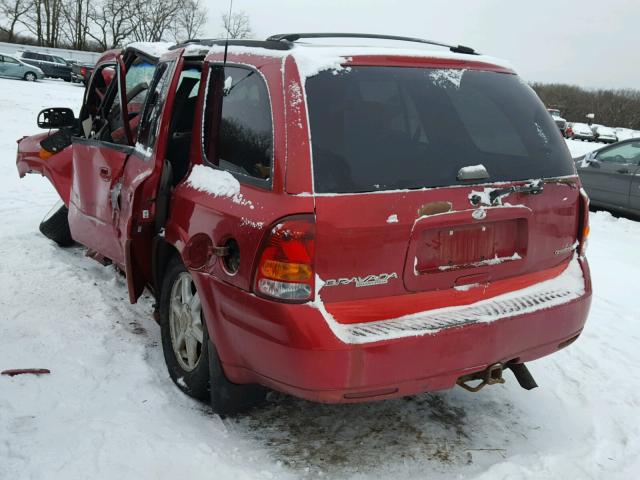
{"x":98,"y":25}
{"x":614,"y":108}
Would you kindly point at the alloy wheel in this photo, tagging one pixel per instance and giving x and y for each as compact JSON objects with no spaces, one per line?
{"x":185,"y":322}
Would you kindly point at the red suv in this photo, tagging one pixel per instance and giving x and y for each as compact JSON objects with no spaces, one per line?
{"x":342,"y":224}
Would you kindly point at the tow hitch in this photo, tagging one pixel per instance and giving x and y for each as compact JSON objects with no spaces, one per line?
{"x":493,"y":374}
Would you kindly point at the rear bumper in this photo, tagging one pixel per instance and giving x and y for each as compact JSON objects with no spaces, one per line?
{"x":292,"y":348}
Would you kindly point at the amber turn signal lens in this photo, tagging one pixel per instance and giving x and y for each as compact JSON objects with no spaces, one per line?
{"x":290,"y":272}
{"x":44,"y":154}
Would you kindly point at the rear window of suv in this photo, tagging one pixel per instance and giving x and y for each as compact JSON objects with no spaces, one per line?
{"x":385,"y":128}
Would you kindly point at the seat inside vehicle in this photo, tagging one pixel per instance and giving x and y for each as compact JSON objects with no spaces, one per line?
{"x":181,"y":126}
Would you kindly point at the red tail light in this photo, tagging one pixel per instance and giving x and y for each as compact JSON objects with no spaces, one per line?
{"x":285,"y":270}
{"x":583,"y":225}
{"x":83,"y":71}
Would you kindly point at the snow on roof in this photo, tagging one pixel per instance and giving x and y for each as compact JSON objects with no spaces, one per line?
{"x":155,"y":49}
{"x":314,"y":58}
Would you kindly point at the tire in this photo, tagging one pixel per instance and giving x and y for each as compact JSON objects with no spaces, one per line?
{"x":55,"y":225}
{"x":30,"y":77}
{"x":196,"y":370}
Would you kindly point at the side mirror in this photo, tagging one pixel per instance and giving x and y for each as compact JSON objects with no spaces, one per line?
{"x":56,"y":118}
{"x":593,"y":162}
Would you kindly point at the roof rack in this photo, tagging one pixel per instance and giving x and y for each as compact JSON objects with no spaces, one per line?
{"x":210,"y":42}
{"x":292,"y":37}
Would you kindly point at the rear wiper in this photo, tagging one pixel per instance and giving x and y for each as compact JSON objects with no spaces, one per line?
{"x":533,"y":188}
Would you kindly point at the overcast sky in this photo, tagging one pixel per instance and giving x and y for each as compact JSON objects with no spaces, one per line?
{"x":591,"y":43}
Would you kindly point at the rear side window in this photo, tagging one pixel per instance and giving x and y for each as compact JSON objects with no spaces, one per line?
{"x":384,"y":128}
{"x":628,"y":153}
{"x":28,"y":55}
{"x":241,"y":142}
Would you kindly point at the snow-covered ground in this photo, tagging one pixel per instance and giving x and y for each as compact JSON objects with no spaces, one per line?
{"x":110,"y":411}
{"x":579,"y":147}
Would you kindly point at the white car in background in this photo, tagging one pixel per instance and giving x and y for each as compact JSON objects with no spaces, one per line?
{"x":581,"y":131}
{"x":626,"y":133}
{"x":604,"y":134}
{"x":560,"y":122}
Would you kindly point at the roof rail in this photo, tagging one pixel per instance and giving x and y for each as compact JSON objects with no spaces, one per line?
{"x":210,"y":42}
{"x":292,"y":37}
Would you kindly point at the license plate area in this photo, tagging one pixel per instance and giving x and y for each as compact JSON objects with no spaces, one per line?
{"x":468,"y":246}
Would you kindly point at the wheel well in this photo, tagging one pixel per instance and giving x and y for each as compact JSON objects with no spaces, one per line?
{"x":163,"y":252}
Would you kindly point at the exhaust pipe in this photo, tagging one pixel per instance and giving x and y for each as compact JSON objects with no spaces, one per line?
{"x":493,"y":374}
{"x":523,"y":375}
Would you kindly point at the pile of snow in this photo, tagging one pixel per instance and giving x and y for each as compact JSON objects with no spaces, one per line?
{"x":579,"y":148}
{"x":155,"y":49}
{"x":218,"y":183}
{"x":109,"y":410}
{"x":215,"y":182}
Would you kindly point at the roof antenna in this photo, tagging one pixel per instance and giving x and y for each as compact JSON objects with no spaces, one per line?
{"x":226,"y":42}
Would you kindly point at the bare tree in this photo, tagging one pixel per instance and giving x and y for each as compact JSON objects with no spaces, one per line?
{"x":152,"y":20}
{"x":43,"y":20}
{"x":75,"y":27}
{"x":236,"y":25}
{"x":111,"y":23}
{"x":615,"y":108}
{"x":12,"y":11}
{"x":189,"y":21}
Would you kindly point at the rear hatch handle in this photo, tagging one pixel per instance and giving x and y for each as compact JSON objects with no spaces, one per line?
{"x":534,"y":188}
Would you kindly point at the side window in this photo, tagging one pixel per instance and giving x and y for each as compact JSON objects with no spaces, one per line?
{"x":28,"y":55}
{"x":628,"y":153}
{"x":241,"y":141}
{"x":106,"y":124}
{"x":11,"y":60}
{"x":153,"y":107}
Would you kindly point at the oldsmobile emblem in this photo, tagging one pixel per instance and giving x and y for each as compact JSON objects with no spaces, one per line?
{"x":366,"y":281}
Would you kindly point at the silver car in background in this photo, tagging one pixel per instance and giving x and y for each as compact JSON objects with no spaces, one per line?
{"x":14,"y":68}
{"x":604,"y":134}
{"x":611,"y":176}
{"x":581,"y":131}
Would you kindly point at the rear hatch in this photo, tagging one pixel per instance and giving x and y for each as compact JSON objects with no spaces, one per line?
{"x":413,"y":169}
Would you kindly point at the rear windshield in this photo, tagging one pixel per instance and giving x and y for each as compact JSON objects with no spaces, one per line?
{"x":384,"y":128}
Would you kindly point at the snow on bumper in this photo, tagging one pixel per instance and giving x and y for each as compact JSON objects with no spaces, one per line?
{"x":566,"y":287}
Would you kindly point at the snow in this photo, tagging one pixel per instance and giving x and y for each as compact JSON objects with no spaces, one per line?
{"x":489,"y":261}
{"x":110,"y":409}
{"x":447,"y":77}
{"x":215,"y":182}
{"x":569,"y":285}
{"x":218,"y":183}
{"x":579,"y":148}
{"x":155,"y":49}
{"x":314,"y":58}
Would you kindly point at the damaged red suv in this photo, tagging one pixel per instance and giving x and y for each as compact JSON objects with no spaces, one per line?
{"x":339,"y":223}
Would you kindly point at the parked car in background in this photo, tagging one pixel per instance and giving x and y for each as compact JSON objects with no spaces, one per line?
{"x":611,"y":176}
{"x":604,"y":134}
{"x":81,"y":72}
{"x":626,"y":133}
{"x":12,"y":67}
{"x":560,"y":122}
{"x":322,"y":233}
{"x":581,"y":131}
{"x":52,"y":66}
